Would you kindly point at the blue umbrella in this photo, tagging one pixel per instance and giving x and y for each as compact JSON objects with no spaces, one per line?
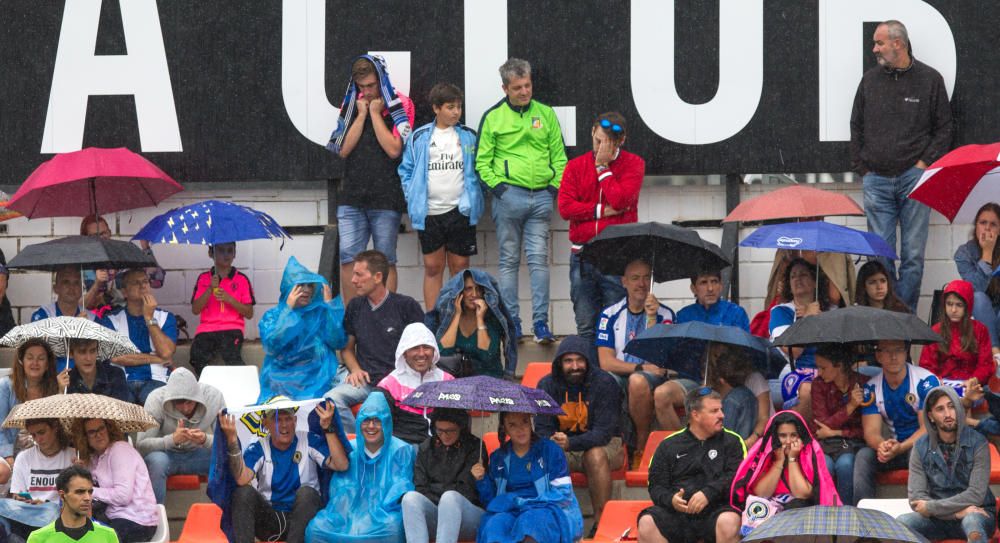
{"x":682,"y":347}
{"x":819,"y":236}
{"x":482,"y":393}
{"x":209,"y":223}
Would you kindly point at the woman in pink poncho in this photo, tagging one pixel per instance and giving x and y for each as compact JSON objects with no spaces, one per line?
{"x":785,"y":465}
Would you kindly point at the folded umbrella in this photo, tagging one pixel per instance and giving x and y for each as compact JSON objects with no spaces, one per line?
{"x":86,"y":252}
{"x":822,"y":523}
{"x":674,"y":252}
{"x":482,"y":393}
{"x":90,"y":182}
{"x":57,"y":331}
{"x":209,"y":223}
{"x":794,"y":202}
{"x":69,"y":407}
{"x":682,"y":347}
{"x":960,"y":182}
{"x":857,"y":324}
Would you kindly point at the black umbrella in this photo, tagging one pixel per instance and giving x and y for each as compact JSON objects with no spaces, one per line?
{"x":674,"y":252}
{"x":86,"y":252}
{"x":857,"y":324}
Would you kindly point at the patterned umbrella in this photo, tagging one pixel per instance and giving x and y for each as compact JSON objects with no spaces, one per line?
{"x":211,"y":222}
{"x":834,"y":524}
{"x":68,"y":407}
{"x":57,"y":331}
{"x":483,"y":393}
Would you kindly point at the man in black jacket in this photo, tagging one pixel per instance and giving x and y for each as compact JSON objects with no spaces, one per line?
{"x":901,"y":122}
{"x":689,"y":478}
{"x":590,"y":432}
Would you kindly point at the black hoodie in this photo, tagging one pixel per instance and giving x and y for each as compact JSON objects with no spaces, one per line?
{"x":599,"y":391}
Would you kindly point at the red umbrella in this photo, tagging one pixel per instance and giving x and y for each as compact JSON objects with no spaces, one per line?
{"x":794,"y":202}
{"x":91,"y":182}
{"x":960,"y":182}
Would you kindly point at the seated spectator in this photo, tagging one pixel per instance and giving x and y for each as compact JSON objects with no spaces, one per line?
{"x":277,"y":477}
{"x":976,"y":260}
{"x":963,"y":357}
{"x":948,"y":487}
{"x":416,"y":364}
{"x":104,"y":288}
{"x":6,"y":314}
{"x":690,"y":476}
{"x":76,"y":487}
{"x":527,"y":492}
{"x":123,"y":495}
{"x":444,"y":197}
{"x":223,"y":299}
{"x":365,"y":496}
{"x":301,"y":336}
{"x":91,"y":375}
{"x":590,"y":431}
{"x":475,"y":325}
{"x":182,"y":443}
{"x":67,"y":287}
{"x":786,"y":467}
{"x":800,"y":289}
{"x":729,"y":371}
{"x":374,"y":322}
{"x":445,"y":500}
{"x":874,"y":289}
{"x":837,"y":399}
{"x":33,"y":376}
{"x":709,"y":307}
{"x":152,"y":330}
{"x":899,"y":391}
{"x":34,"y":479}
{"x":619,"y":324}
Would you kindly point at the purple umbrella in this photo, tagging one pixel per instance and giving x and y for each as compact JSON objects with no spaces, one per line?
{"x":483,"y":393}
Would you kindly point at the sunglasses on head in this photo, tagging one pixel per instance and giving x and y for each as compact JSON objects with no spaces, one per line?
{"x":703,"y":391}
{"x":610,"y":125}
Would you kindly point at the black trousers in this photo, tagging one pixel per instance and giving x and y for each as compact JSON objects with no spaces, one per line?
{"x":253,"y":516}
{"x":226,"y":343}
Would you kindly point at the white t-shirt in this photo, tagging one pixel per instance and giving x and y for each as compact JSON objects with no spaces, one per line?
{"x":758,"y":385}
{"x":445,"y":171}
{"x":36,"y":473}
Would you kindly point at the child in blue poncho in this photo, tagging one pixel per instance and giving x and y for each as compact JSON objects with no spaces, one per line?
{"x":364,"y":501}
{"x":301,"y":336}
{"x":527,"y":493}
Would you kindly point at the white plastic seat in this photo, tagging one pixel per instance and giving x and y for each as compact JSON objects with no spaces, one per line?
{"x":162,"y":534}
{"x":239,"y":385}
{"x":894,"y":507}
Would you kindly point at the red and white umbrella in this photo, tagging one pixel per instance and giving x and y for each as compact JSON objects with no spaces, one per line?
{"x":960,"y":182}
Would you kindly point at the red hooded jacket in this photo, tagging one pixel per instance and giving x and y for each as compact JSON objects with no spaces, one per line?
{"x":582,"y":196}
{"x":957,"y":364}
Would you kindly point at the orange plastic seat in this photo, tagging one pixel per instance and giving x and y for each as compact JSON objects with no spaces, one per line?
{"x":894,"y":477}
{"x":355,"y":408}
{"x":534,"y":373}
{"x":202,"y":525}
{"x":640,"y":477}
{"x":619,"y":516}
{"x":184,"y":482}
{"x":492,"y":442}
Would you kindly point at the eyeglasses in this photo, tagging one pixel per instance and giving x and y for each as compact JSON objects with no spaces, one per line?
{"x":371,"y":422}
{"x":616,"y":128}
{"x":97,"y":431}
{"x":447,"y":432}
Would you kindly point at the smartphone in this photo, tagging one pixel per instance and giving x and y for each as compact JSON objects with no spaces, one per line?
{"x":24,"y":495}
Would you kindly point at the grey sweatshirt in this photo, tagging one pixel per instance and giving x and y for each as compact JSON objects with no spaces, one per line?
{"x":181,"y":385}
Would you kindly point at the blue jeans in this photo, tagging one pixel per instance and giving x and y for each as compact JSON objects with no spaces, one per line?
{"x":739,"y":411}
{"x":842,"y":471}
{"x":453,"y":518}
{"x":886,"y":205}
{"x":984,"y":312}
{"x":866,"y":465}
{"x":345,"y":395}
{"x":163,"y":464}
{"x":935,"y":528}
{"x":356,"y":225}
{"x":591,"y":291}
{"x":522,"y":219}
{"x":140,"y":389}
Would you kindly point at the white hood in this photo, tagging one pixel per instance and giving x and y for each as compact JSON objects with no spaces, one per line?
{"x":416,"y":334}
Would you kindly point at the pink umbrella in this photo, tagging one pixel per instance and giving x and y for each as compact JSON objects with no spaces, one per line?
{"x":794,"y":202}
{"x":960,"y":182}
{"x":91,"y":182}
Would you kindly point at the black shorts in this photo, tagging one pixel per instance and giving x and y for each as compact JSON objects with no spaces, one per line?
{"x":681,"y":528}
{"x":450,"y":230}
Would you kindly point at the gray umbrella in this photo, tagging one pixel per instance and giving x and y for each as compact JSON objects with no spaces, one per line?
{"x":86,"y":252}
{"x":857,"y":324}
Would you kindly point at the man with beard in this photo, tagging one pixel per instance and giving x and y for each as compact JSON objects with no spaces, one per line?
{"x":948,"y":487}
{"x":590,"y":431}
{"x":76,"y":491}
{"x":900,"y":123}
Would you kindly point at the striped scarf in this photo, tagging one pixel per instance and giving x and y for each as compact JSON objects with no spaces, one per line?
{"x":348,"y":108}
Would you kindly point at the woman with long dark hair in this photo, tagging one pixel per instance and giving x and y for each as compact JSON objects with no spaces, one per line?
{"x":977,"y":260}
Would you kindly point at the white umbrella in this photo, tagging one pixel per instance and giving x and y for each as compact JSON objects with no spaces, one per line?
{"x":57,"y":331}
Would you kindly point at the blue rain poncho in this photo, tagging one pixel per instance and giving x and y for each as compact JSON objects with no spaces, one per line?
{"x":365,"y":499}
{"x":300,"y":344}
